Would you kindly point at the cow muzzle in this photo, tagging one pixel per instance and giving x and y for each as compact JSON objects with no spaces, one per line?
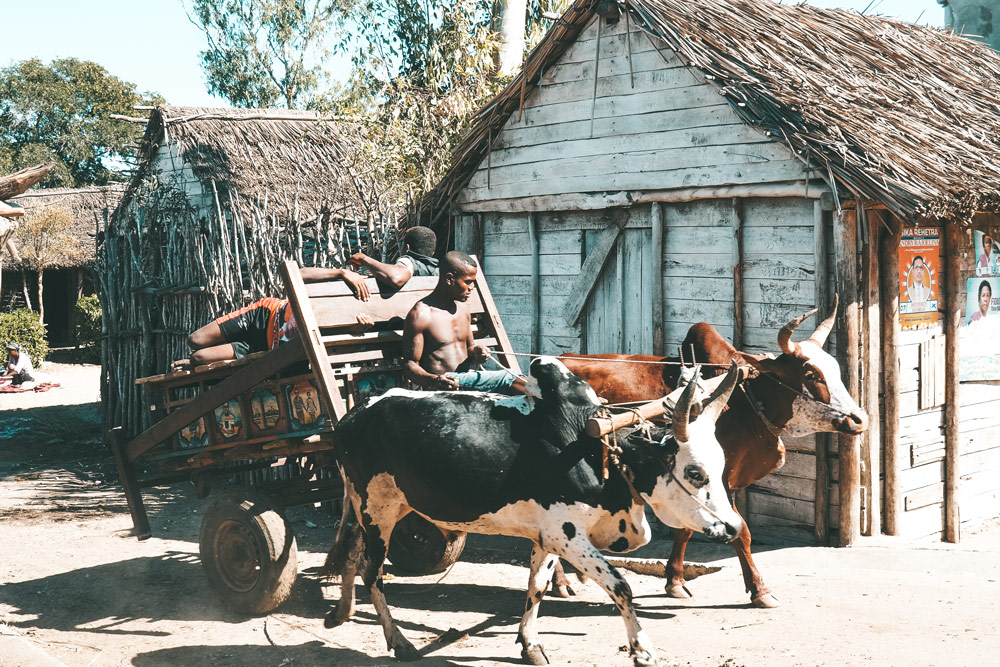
{"x":723,"y":532}
{"x":855,"y":423}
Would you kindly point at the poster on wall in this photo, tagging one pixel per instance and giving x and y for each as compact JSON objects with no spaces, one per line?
{"x":979,"y":337}
{"x":919,"y":262}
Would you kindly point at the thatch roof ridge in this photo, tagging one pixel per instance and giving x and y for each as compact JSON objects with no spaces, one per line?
{"x":903,"y":114}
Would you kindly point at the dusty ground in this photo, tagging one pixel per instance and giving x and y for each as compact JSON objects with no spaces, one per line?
{"x":76,"y":589}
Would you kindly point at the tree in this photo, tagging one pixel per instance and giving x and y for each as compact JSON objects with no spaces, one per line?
{"x":61,"y":112}
{"x":262,"y":52}
{"x":43,"y":240}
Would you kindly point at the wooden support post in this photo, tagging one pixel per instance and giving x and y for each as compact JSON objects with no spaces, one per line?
{"x":130,"y":484}
{"x":738,"y":333}
{"x":952,"y":319}
{"x":656,"y":291}
{"x":872,"y":354}
{"x":889,"y":298}
{"x":469,"y":235}
{"x":536,"y":290}
{"x":822,"y":492}
{"x":845,"y":253}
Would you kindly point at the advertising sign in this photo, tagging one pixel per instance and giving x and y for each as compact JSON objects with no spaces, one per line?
{"x":919,"y":268}
{"x":979,"y":347}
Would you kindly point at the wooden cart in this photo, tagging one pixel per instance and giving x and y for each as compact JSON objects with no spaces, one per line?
{"x":256,"y":434}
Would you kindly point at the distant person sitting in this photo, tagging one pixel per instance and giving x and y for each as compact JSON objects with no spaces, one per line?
{"x":415,"y":259}
{"x":18,"y":365}
{"x":985,"y":297}
{"x":438,"y":340}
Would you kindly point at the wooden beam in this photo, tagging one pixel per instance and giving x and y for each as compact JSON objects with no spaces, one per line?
{"x":536,"y":303}
{"x":952,"y":320}
{"x":590,"y":272}
{"x":10,"y":211}
{"x":656,"y":291}
{"x":889,"y":298}
{"x":822,"y":490}
{"x":872,"y":354}
{"x":738,"y":337}
{"x":20,"y":181}
{"x":845,"y":253}
{"x":235,"y":384}
{"x":130,"y":483}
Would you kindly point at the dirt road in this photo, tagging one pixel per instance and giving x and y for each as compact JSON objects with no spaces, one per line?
{"x":76,"y":589}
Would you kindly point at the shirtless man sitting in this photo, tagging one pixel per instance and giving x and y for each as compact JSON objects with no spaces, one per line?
{"x":437,"y":336}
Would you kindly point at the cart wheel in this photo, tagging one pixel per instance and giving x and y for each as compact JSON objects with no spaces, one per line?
{"x":419,"y":547}
{"x":248,"y":552}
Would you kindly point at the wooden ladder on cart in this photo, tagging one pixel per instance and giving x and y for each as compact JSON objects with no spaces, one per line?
{"x":273,"y":408}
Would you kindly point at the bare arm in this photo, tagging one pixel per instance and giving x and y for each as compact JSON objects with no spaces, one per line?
{"x":354,"y":280}
{"x":416,"y":324}
{"x":395,"y":275}
{"x":477,"y":354}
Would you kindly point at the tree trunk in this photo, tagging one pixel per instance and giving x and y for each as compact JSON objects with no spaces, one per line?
{"x":41,"y":304}
{"x":511,"y":16}
{"x":24,"y":288}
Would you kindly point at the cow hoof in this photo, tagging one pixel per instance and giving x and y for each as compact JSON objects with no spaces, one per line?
{"x":534,"y":654}
{"x":677,"y":591}
{"x":332,"y":620}
{"x":766,"y":601}
{"x":563,"y":592}
{"x":644,"y":659}
{"x":406,"y":652}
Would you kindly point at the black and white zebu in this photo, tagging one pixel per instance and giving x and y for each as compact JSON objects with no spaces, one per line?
{"x":483,"y":463}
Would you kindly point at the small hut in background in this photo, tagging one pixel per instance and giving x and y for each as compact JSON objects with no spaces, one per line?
{"x":219,"y":198}
{"x":659,"y":163}
{"x":10,"y":214}
{"x":69,"y":273}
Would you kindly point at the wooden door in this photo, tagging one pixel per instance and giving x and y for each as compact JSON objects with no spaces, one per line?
{"x":619,"y":309}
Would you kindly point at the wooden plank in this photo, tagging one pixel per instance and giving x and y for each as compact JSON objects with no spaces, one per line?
{"x":558,"y":242}
{"x":656,"y":292}
{"x":520,"y":265}
{"x":611,"y":83}
{"x":821,"y":491}
{"x":312,"y":340}
{"x":490,"y":308}
{"x":845,"y":235}
{"x":592,"y":267}
{"x":521,"y":285}
{"x":929,"y":495}
{"x":953,"y":305}
{"x":469,"y":235}
{"x":533,"y":243}
{"x":235,"y":384}
{"x":737,"y":244}
{"x":873,"y":459}
{"x":130,"y":484}
{"x":889,"y":296}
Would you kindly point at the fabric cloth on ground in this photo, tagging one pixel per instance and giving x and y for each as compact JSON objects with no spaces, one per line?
{"x":8,"y":388}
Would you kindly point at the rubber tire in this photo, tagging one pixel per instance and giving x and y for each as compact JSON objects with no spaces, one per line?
{"x":248,"y":552}
{"x":418,"y":547}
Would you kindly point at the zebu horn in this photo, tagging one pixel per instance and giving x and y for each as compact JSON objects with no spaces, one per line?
{"x":823,"y":330}
{"x":682,"y":410}
{"x":785,"y":342}
{"x":720,"y":397}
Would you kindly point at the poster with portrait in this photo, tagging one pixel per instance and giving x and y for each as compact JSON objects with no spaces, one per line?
{"x":303,"y":405}
{"x":987,"y":258}
{"x":919,"y":268}
{"x":229,"y":421}
{"x":979,"y":338}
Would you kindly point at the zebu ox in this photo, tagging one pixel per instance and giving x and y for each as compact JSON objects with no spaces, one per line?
{"x":798,"y":393}
{"x":475,"y":462}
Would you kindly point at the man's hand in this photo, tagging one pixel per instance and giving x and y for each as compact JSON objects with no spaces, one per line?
{"x":358,"y":259}
{"x":445,"y":382}
{"x":365,"y":322}
{"x":357,"y":284}
{"x":478,"y":354}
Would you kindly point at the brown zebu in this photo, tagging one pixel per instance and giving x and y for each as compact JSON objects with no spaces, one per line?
{"x":798,"y":393}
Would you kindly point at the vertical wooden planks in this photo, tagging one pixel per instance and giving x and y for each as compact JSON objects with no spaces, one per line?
{"x":845,"y":258}
{"x":822,"y":491}
{"x":873,"y":459}
{"x":469,"y":235}
{"x":739,"y":339}
{"x":889,"y":298}
{"x":656,"y":288}
{"x":952,"y":320}
{"x":536,"y":302}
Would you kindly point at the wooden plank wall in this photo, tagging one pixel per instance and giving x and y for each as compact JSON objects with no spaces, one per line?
{"x":922,"y":456}
{"x":658,"y":128}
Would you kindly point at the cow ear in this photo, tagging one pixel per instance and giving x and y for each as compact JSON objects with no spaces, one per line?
{"x":763,"y":364}
{"x":531,"y":387}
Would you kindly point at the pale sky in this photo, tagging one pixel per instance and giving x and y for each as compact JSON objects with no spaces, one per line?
{"x":152,"y":44}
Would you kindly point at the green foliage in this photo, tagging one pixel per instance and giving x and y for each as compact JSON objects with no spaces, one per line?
{"x":61,"y":112}
{"x":24,"y":328}
{"x":87,"y":315}
{"x":264,"y":52}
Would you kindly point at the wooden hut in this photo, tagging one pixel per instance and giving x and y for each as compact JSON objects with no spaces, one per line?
{"x":70,"y":275}
{"x":219,"y":198}
{"x":660,"y":162}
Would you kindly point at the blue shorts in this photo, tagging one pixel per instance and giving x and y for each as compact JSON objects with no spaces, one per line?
{"x":493,"y":381}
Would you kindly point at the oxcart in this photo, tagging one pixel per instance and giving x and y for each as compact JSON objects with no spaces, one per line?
{"x":256,"y":435}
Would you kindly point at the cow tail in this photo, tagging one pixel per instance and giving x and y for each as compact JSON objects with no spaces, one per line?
{"x":339,"y":553}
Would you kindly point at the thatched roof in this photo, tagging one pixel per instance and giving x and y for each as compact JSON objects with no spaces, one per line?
{"x":86,"y":206}
{"x":897,"y":113}
{"x":291,"y":156}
